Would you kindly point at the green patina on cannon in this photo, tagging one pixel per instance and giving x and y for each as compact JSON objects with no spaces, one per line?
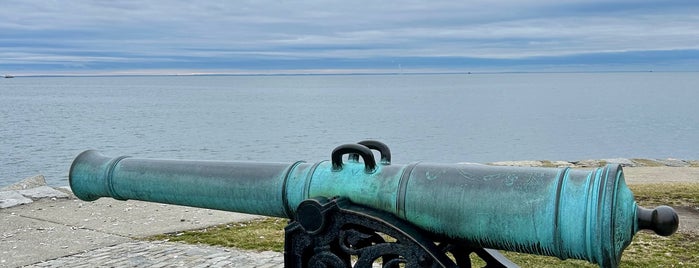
{"x":458,"y":208}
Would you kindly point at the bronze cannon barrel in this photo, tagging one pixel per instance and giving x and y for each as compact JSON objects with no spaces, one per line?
{"x":567,"y":213}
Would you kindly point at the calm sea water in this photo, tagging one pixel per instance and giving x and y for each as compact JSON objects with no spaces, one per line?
{"x":45,"y":122}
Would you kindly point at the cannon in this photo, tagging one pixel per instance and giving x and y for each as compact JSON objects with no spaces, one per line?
{"x":355,"y":210}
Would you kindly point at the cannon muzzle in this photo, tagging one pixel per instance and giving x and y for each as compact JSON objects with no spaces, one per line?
{"x":567,"y":213}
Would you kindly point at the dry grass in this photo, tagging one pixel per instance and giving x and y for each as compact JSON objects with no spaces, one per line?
{"x":671,"y":194}
{"x":260,"y":235}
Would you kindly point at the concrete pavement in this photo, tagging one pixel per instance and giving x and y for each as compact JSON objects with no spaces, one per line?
{"x":47,"y":230}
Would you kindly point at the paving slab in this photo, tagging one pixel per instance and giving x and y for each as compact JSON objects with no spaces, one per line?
{"x":25,"y":241}
{"x":125,"y":218}
{"x":52,"y":228}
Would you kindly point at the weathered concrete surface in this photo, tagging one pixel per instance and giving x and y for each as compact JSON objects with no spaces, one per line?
{"x":24,"y":240}
{"x":52,"y":228}
{"x":12,"y":198}
{"x":126,"y":218}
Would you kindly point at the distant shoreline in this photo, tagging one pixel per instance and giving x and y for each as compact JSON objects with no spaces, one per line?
{"x":329,"y":73}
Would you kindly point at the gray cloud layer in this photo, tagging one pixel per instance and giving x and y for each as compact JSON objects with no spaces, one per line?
{"x":82,"y":32}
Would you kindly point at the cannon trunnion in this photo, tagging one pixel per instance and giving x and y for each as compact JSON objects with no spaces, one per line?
{"x":339,"y":208}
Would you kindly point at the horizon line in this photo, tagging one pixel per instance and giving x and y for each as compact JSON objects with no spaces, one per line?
{"x":323,"y":73}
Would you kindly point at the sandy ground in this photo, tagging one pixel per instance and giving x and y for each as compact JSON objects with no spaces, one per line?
{"x":638,"y":175}
{"x":689,"y":216}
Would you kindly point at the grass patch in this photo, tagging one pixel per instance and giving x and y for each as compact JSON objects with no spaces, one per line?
{"x":259,"y":235}
{"x":671,"y":194}
{"x":646,"y":250}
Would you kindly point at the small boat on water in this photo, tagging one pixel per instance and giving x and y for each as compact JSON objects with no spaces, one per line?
{"x":9,"y":76}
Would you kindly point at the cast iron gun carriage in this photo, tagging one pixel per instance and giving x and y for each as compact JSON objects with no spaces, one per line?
{"x":341,"y":208}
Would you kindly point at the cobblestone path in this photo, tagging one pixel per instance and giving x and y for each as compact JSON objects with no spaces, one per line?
{"x":166,"y":254}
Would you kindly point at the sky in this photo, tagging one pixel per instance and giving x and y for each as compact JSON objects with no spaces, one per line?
{"x":266,"y":36}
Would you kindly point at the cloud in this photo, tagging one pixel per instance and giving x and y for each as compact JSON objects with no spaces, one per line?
{"x":100,"y":33}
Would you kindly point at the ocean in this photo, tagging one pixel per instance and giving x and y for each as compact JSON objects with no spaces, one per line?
{"x":46,"y":121}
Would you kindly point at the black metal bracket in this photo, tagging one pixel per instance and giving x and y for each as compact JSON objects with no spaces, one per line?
{"x":337,"y":233}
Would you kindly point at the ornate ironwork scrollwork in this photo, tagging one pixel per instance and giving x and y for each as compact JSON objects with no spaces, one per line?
{"x":337,"y":233}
